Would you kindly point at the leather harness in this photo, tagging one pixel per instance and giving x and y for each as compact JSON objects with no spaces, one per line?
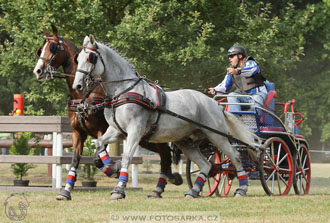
{"x":81,"y":106}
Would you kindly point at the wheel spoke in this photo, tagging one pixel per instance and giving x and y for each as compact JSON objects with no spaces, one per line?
{"x":278,"y":182}
{"x":209,"y":184}
{"x":283,"y":180}
{"x":304,"y":163}
{"x":284,"y":170}
{"x":303,"y":186}
{"x":284,"y":157}
{"x":305,"y":177}
{"x":272,"y":152}
{"x":222,"y":186}
{"x":273,"y":182}
{"x":278,"y":153}
{"x":271,"y":175}
{"x":270,"y":158}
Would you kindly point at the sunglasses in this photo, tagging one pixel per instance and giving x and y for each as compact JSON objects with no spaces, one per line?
{"x":231,"y":56}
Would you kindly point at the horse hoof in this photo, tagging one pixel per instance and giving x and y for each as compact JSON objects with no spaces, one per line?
{"x":154,"y":194}
{"x":191,"y":194}
{"x":117,"y":196}
{"x":176,"y":179}
{"x":118,"y":193}
{"x":98,"y":163}
{"x":64,"y":195}
{"x":62,"y":198}
{"x":240,"y":192}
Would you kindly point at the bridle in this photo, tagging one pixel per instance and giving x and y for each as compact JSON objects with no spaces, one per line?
{"x":54,"y":47}
{"x":89,"y":78}
{"x":92,"y":58}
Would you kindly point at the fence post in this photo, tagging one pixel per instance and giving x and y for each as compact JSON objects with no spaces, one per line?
{"x":54,"y":150}
{"x":50,"y":169}
{"x":114,"y":149}
{"x":135,"y":170}
{"x":59,"y":152}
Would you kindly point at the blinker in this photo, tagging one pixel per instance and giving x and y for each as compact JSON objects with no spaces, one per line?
{"x":92,"y":58}
{"x":75,"y":59}
{"x":38,"y":53}
{"x":53,"y":48}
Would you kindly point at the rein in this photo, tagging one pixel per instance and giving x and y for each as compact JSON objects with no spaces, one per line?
{"x":131,"y":97}
{"x":61,"y":74}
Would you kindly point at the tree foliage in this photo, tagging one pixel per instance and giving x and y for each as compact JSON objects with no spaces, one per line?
{"x":180,"y":43}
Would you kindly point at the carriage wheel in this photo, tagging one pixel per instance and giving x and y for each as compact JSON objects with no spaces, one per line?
{"x":226,"y":181}
{"x":211,"y":183}
{"x":302,"y":180}
{"x":276,"y":167}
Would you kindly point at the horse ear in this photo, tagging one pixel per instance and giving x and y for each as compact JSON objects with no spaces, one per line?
{"x":92,"y":39}
{"x":46,"y":33}
{"x":86,"y":41}
{"x":54,"y":29}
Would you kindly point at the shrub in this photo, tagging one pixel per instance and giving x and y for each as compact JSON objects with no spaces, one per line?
{"x":89,"y":169}
{"x":21,"y":147}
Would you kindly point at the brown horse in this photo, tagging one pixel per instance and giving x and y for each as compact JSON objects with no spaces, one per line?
{"x":57,"y":51}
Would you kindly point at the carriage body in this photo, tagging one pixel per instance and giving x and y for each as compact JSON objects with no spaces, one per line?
{"x":283,"y":161}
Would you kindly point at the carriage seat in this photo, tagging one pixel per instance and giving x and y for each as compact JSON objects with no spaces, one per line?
{"x":269,"y":104}
{"x":272,"y":94}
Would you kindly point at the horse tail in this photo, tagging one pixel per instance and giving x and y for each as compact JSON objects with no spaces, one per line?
{"x":238,"y":129}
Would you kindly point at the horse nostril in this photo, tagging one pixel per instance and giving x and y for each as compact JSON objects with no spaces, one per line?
{"x":79,"y":87}
{"x":38,"y":71}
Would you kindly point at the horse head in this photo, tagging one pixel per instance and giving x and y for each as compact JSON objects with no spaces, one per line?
{"x":51,"y":55}
{"x":90,"y":64}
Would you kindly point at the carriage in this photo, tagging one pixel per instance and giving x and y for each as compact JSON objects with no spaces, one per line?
{"x":284,"y":160}
{"x":277,"y":151}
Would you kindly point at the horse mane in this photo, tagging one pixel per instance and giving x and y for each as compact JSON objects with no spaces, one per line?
{"x":75,"y":47}
{"x":122,"y":56}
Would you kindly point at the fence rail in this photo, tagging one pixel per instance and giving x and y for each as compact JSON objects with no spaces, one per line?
{"x":56,"y":159}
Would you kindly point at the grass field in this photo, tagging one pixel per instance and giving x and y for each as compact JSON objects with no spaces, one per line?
{"x":97,"y":207}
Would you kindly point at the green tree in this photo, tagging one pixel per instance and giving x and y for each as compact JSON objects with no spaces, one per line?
{"x":180,"y":43}
{"x":23,"y":23}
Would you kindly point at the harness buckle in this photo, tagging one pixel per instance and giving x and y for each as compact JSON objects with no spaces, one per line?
{"x":82,"y":109}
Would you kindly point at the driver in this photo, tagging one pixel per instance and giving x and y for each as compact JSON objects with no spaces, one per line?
{"x":245,"y":74}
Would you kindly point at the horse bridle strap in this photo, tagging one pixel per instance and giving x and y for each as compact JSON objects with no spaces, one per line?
{"x":57,"y":40}
{"x":88,"y":74}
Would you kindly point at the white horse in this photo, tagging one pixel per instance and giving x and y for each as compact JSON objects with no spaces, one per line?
{"x":132,"y":121}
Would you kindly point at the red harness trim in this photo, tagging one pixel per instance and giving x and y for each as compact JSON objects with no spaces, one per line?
{"x":72,"y":104}
{"x":131,"y":97}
